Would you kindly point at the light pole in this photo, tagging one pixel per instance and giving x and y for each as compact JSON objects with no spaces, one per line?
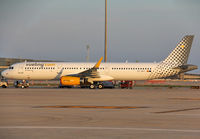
{"x":88,"y":53}
{"x":105,"y":49}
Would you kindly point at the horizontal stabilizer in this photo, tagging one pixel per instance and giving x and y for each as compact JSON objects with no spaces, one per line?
{"x":185,"y":68}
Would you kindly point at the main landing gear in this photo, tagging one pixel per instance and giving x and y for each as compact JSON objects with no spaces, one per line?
{"x":98,"y":85}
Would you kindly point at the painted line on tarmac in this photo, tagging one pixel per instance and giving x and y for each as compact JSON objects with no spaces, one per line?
{"x":183,"y":114}
{"x":181,"y":98}
{"x":100,"y":128}
{"x":93,"y":107}
{"x":179,"y":110}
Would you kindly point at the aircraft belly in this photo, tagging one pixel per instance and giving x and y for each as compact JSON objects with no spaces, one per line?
{"x":130,"y":75}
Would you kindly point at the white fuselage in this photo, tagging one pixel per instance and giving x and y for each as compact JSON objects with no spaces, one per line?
{"x":55,"y":70}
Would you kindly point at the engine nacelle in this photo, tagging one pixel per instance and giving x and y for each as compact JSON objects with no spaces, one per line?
{"x":69,"y":80}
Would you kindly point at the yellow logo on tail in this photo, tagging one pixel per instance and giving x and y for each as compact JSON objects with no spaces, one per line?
{"x":182,"y":46}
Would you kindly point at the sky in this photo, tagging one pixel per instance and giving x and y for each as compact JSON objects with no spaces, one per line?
{"x":138,"y":30}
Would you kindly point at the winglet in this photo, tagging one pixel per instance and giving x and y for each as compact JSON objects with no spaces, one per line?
{"x":98,"y":63}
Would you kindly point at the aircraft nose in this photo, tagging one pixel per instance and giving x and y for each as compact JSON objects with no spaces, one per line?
{"x":4,"y":73}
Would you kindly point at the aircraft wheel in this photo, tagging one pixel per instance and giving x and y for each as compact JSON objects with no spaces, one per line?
{"x":100,"y":86}
{"x":3,"y":86}
{"x":92,"y":86}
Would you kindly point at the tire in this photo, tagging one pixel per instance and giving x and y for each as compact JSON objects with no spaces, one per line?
{"x":92,"y":86}
{"x":100,"y":86}
{"x":3,"y":86}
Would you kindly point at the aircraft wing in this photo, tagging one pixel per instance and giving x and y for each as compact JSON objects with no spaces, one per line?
{"x":90,"y":73}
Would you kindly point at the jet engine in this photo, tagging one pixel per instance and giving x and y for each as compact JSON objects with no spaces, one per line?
{"x":69,"y":80}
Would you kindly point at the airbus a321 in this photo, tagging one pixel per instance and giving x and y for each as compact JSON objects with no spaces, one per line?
{"x":92,"y":74}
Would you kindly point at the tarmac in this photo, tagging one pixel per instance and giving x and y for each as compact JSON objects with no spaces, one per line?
{"x":142,"y":112}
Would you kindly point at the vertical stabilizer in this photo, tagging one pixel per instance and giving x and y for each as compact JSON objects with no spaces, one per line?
{"x":179,"y":56}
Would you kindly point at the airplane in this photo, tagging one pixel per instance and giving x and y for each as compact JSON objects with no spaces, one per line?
{"x":93,"y":74}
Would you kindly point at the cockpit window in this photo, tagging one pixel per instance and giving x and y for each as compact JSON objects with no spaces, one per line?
{"x":11,"y":67}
